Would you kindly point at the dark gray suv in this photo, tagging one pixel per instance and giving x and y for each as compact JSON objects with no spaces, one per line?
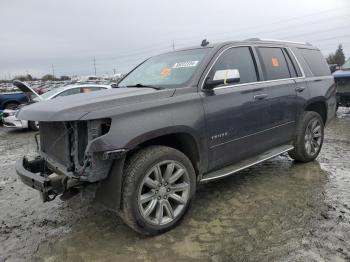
{"x":186,"y":117}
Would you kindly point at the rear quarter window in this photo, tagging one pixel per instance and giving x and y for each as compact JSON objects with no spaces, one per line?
{"x":315,"y":61}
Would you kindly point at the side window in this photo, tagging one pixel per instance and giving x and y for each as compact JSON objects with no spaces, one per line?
{"x":239,"y":58}
{"x":69,"y":92}
{"x":315,"y":61}
{"x":89,"y":89}
{"x":273,"y":63}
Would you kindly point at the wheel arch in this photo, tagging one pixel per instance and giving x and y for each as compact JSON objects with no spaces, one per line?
{"x":183,"y":140}
{"x":319,"y":106}
{"x":109,"y":190}
{"x":5,"y":103}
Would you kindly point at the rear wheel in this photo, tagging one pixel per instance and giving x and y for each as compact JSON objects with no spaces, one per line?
{"x":159,"y":183}
{"x":309,"y":137}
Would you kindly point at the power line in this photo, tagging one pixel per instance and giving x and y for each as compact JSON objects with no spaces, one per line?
{"x":147,"y":51}
{"x":297,"y":18}
{"x":142,"y":51}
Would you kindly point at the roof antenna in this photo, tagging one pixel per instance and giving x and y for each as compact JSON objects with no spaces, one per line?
{"x":204,"y":43}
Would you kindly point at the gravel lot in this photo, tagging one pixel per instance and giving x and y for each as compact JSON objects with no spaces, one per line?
{"x":278,"y":210}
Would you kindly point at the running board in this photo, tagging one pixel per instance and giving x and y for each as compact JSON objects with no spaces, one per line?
{"x":230,"y":170}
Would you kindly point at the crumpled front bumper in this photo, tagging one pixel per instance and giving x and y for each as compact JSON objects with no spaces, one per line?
{"x":30,"y":172}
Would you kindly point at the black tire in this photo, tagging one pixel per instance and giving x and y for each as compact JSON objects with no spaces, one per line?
{"x":136,"y":168}
{"x":11,"y":106}
{"x":33,"y":125}
{"x":300,"y":152}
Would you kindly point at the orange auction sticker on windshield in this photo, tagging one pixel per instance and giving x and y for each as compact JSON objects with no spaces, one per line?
{"x":166,"y":71}
{"x":275,"y":62}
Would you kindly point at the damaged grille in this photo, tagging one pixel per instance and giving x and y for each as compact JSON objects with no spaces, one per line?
{"x":63,"y":145}
{"x":54,"y":141}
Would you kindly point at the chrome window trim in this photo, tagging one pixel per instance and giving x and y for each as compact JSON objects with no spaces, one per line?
{"x":258,"y":82}
{"x":298,"y":63}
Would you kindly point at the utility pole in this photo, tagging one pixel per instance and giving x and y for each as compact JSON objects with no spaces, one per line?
{"x":114,"y":71}
{"x":95,"y":66}
{"x":53,"y":71}
{"x":173,"y":45}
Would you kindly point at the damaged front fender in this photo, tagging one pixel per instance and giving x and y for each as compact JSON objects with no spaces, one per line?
{"x":109,"y":190}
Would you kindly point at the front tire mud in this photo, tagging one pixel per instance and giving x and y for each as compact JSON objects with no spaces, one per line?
{"x":165,"y":178}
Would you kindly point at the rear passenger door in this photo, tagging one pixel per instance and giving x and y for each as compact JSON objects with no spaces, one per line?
{"x":279,"y":74}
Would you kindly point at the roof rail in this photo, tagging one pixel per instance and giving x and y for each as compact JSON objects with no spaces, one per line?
{"x":276,"y":40}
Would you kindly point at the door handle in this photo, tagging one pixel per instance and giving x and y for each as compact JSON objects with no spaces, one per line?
{"x":300,"y":89}
{"x":260,"y":97}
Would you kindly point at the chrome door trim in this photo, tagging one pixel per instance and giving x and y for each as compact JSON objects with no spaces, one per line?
{"x":242,"y":137}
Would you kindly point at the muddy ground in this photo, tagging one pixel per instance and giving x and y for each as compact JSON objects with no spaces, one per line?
{"x":276,"y":211}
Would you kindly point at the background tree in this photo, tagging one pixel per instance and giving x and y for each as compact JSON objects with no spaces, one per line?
{"x":27,"y":77}
{"x":64,"y":78}
{"x":338,"y":57}
{"x":48,"y":77}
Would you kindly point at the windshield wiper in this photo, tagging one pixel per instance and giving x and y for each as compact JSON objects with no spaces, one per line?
{"x":145,"y":86}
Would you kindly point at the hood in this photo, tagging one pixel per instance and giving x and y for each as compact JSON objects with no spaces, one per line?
{"x":94,"y":105}
{"x":26,"y":88}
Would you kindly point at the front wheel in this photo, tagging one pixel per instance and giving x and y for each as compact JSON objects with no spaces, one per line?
{"x":309,"y":137}
{"x":158,"y":185}
{"x":33,"y":125}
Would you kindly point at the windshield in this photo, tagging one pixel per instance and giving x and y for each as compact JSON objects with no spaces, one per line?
{"x":166,"y":70}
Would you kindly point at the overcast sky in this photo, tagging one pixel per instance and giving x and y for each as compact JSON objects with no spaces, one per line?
{"x":36,"y":34}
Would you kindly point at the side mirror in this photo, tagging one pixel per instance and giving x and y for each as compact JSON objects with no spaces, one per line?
{"x":223,"y":77}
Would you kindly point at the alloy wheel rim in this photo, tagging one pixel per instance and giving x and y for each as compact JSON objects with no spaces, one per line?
{"x":164,"y":192}
{"x":313,"y":137}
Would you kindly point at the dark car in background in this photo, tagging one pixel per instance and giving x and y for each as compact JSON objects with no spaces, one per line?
{"x":189,"y":116}
{"x":342,"y":80}
{"x":12,"y":100}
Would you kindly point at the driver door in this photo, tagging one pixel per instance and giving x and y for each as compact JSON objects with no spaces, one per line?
{"x":236,"y":114}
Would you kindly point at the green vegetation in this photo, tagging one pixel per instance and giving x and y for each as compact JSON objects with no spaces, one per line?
{"x":338,"y":57}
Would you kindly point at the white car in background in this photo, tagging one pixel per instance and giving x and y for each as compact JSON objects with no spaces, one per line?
{"x":9,"y":116}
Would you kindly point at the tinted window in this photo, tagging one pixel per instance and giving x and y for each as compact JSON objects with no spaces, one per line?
{"x":315,"y":61}
{"x":239,"y":58}
{"x":273,"y":62}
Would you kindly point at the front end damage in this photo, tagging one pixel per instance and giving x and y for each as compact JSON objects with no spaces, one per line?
{"x":67,"y":161}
